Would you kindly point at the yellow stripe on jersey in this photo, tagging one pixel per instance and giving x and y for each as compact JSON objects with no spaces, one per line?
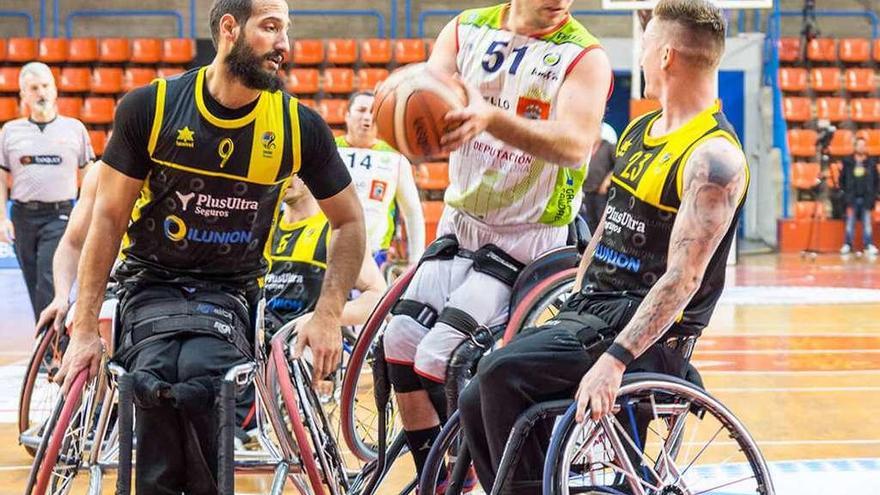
{"x":144,"y":198}
{"x":226,"y":123}
{"x":158,"y":115}
{"x":268,"y":145}
{"x":295,"y":135}
{"x":209,"y":173}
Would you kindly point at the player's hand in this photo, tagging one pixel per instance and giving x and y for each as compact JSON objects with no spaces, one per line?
{"x":599,"y":387}
{"x":320,"y":333}
{"x":54,"y":314}
{"x":468,"y":122}
{"x":83,"y":352}
{"x":7,"y":231}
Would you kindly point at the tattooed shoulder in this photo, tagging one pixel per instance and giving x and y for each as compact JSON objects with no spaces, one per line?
{"x":716,"y":161}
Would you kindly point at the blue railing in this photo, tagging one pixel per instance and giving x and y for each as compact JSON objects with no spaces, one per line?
{"x":773,"y":22}
{"x":24,"y":15}
{"x":68,"y":22}
{"x":380,"y":18}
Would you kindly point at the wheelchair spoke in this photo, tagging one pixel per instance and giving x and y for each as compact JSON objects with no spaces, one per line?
{"x":724,"y":485}
{"x":702,"y":450}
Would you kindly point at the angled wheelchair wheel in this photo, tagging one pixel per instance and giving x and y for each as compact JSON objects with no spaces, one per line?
{"x":542,"y":302}
{"x":667,"y":437}
{"x":448,"y":467}
{"x":39,"y":393}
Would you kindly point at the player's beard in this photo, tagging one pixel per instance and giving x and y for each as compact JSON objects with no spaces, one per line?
{"x":247,"y":66}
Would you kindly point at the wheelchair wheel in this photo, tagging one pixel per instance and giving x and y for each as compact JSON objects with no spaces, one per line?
{"x":38,"y":391}
{"x":541,"y":303}
{"x":358,"y":415}
{"x":61,"y":451}
{"x":668,"y":438}
{"x":446,"y":458}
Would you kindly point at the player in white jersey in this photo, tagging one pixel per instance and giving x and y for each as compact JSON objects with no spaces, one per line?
{"x":537,"y":86}
{"x":383,"y":178}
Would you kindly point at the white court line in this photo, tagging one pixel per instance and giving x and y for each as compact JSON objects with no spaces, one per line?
{"x":15,"y":468}
{"x":708,"y":336}
{"x":786,"y":351}
{"x":786,"y":372}
{"x":795,"y":389}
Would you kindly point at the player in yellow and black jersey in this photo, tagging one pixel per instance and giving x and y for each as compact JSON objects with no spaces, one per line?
{"x":196,"y":167}
{"x":654,"y":268}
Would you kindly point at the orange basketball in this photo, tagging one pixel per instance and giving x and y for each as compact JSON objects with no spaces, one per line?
{"x":410,"y":107}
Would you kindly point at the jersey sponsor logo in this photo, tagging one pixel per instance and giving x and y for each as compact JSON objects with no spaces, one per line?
{"x":185,"y":138}
{"x":280,"y":280}
{"x":624,"y":147}
{"x":501,"y":154}
{"x":547,"y":75}
{"x":207,"y":205}
{"x":184,"y":199}
{"x":552,"y":59}
{"x":616,"y":220}
{"x":269,"y":144}
{"x":531,"y":108}
{"x":618,"y":259}
{"x":40,"y":160}
{"x":176,"y":230}
{"x":502,"y":103}
{"x":210,"y":309}
{"x":284,"y":304}
{"x":377,"y":190}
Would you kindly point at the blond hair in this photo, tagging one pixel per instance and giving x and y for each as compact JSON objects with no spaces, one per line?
{"x":699,"y":29}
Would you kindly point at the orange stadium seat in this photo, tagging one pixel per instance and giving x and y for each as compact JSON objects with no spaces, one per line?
{"x":805,"y":175}
{"x":408,"y":51}
{"x":342,"y":51}
{"x":114,"y":50}
{"x":429,"y":46}
{"x":872,"y":137}
{"x":825,"y":79}
{"x":831,"y":108}
{"x":822,"y":50}
{"x":21,"y":50}
{"x":333,"y":110}
{"x":9,"y":109}
{"x":376,"y":51}
{"x":75,"y":80}
{"x":98,"y":110}
{"x":789,"y":49}
{"x":860,"y":80}
{"x":802,"y":142}
{"x":98,"y":139}
{"x":146,"y":51}
{"x":338,"y":81}
{"x":9,"y":79}
{"x":841,"y":143}
{"x":135,"y":77}
{"x":166,"y":72}
{"x":437,"y":178}
{"x":308,"y":52}
{"x":875,"y":214}
{"x":369,"y":78}
{"x":178,"y":50}
{"x":432,"y":211}
{"x":303,"y":81}
{"x":82,"y":50}
{"x":865,"y":110}
{"x":793,"y":79}
{"x":809,"y":210}
{"x":56,"y":72}
{"x":4,"y":49}
{"x":308,"y":102}
{"x":875,"y":50}
{"x":107,"y":80}
{"x":53,"y":50}
{"x":854,"y":50}
{"x":796,"y":109}
{"x":70,"y":106}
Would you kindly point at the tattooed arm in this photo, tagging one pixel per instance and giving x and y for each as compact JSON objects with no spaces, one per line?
{"x":714,"y":183}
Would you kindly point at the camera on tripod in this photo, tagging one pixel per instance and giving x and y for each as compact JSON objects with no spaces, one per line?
{"x":824,"y":135}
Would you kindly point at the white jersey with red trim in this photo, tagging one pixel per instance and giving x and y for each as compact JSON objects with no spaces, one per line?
{"x":491,"y":180}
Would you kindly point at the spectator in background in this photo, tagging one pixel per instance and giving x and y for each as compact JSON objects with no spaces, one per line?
{"x":599,"y":178}
{"x":858,"y":180}
{"x":46,"y":154}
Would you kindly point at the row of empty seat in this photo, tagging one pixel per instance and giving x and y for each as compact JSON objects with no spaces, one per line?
{"x":801,"y":109}
{"x":816,"y":210}
{"x":315,"y":52}
{"x":336,"y":80}
{"x":96,"y":110}
{"x":829,"y":50}
{"x":802,"y":142}
{"x":101,"y":80}
{"x":827,"y":80}
{"x":95,"y":50}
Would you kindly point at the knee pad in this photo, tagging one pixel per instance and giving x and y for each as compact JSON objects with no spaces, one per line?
{"x":437,"y":394}
{"x":404,"y":378}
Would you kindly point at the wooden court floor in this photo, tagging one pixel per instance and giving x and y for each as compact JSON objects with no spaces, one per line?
{"x":793,"y":350}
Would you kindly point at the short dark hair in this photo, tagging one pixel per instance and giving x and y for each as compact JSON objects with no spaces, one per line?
{"x":355,"y":95}
{"x":239,"y":9}
{"x":704,"y":28}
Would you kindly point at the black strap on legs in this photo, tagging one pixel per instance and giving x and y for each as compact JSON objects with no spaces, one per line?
{"x":444,"y":248}
{"x":459,"y":320}
{"x":492,"y":261}
{"x":423,"y":313}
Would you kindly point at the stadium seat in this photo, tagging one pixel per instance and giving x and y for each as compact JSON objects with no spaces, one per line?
{"x":308,"y":52}
{"x":859,"y":80}
{"x":809,"y":210}
{"x":98,"y":139}
{"x":178,"y":50}
{"x":107,"y":80}
{"x":854,"y":50}
{"x":309,"y":102}
{"x":865,"y":110}
{"x":875,"y":50}
{"x":9,"y":109}
{"x":342,"y":51}
{"x":333,"y":110}
{"x":805,"y":175}
{"x":429,"y":46}
{"x":113,"y":50}
{"x":437,"y":178}
{"x":831,"y":108}
{"x":825,"y":79}
{"x":408,"y":51}
{"x":376,"y":51}
{"x":146,"y":51}
{"x":841,"y":143}
{"x":56,"y":72}
{"x":338,"y":81}
{"x":432,"y":211}
{"x":75,"y":80}
{"x":789,"y":50}
{"x":53,"y":50}
{"x":21,"y":50}
{"x":98,"y":110}
{"x":369,"y":78}
{"x":9,"y":79}
{"x":793,"y":79}
{"x":875,"y":214}
{"x":303,"y":81}
{"x":802,"y":142}
{"x":822,"y":50}
{"x":136,"y":77}
{"x":4,"y":49}
{"x":82,"y":50}
{"x":70,"y":106}
{"x":872,"y":137}
{"x":796,"y":109}
{"x":166,"y":72}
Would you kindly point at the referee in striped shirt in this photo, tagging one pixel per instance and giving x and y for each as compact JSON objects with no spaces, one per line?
{"x":45,"y":154}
